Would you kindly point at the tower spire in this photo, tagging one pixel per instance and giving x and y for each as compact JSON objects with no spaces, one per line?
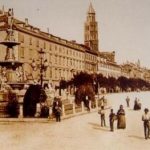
{"x":91,"y":30}
{"x":91,"y":9}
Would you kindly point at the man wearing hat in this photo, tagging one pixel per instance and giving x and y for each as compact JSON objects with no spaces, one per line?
{"x":146,"y":119}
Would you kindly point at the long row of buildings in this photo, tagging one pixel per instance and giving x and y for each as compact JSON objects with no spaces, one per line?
{"x":64,"y":57}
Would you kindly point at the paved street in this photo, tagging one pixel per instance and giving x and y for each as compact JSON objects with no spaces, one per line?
{"x":79,"y":133}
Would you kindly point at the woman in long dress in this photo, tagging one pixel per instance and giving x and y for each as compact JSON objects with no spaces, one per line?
{"x":121,"y":124}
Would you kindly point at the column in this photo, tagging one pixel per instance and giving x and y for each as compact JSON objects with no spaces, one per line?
{"x":82,"y":106}
{"x":96,"y":102}
{"x":74,"y":109}
{"x":63,"y":110}
{"x":20,"y":111}
{"x":38,"y":110}
{"x":90,"y":105}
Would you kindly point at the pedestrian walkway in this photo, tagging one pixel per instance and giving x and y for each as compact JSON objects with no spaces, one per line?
{"x":82,"y":132}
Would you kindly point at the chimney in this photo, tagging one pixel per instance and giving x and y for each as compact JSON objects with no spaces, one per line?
{"x":26,"y":21}
{"x":73,"y":41}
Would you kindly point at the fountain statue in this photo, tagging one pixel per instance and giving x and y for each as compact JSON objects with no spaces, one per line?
{"x":11,"y":69}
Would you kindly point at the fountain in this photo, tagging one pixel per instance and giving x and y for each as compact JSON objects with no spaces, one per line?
{"x":9,"y":67}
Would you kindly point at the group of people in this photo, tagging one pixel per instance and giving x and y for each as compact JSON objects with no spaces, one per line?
{"x":120,"y":117}
{"x":137,"y":103}
{"x":145,"y":116}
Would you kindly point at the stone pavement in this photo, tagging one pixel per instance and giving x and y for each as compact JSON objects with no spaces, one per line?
{"x":82,"y":132}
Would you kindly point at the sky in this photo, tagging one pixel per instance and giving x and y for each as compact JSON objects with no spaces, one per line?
{"x":123,"y":25}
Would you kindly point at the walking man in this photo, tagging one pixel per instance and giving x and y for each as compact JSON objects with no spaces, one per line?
{"x":102,"y":116}
{"x":146,"y":119}
{"x":128,"y":101}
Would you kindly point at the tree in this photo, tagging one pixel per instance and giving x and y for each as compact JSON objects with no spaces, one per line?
{"x":34,"y":94}
{"x":112,"y":83}
{"x":123,"y":83}
{"x":85,"y":89}
{"x":62,"y":85}
{"x":85,"y":93}
{"x":82,"y":78}
{"x":103,"y":81}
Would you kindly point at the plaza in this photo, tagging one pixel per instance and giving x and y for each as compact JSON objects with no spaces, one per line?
{"x":81,"y":132}
{"x":30,"y":56}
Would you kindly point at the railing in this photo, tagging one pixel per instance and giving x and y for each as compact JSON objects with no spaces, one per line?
{"x":70,"y":110}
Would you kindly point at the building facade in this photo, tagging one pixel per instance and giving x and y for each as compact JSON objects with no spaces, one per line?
{"x":64,"y":57}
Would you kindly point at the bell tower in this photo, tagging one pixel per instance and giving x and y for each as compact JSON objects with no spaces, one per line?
{"x":91,"y":30}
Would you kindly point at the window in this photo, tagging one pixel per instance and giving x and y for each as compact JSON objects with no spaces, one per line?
{"x":21,"y":38}
{"x":22,"y":52}
{"x":67,"y":51}
{"x":59,"y":60}
{"x":37,"y":43}
{"x":64,"y":61}
{"x":56,"y":75}
{"x":50,"y":47}
{"x":30,"y":40}
{"x":55,"y":59}
{"x":44,"y":45}
{"x":56,"y":47}
{"x":59,"y":73}
{"x":50,"y":58}
{"x":60,"y":50}
{"x":30,"y":54}
{"x":50,"y":73}
{"x":70,"y":62}
{"x":67,"y":61}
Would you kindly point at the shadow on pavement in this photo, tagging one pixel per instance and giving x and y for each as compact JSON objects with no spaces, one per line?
{"x":98,"y":127}
{"x":136,"y":137}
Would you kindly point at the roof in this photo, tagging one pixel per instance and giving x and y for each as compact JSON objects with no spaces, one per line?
{"x":91,"y":9}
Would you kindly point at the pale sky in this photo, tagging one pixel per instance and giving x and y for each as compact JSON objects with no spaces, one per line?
{"x":124,"y":25}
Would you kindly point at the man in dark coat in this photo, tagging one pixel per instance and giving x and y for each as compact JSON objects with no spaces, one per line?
{"x":112,"y":118}
{"x":57,"y":108}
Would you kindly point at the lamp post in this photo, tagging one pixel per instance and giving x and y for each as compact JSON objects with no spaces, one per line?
{"x":42,"y":65}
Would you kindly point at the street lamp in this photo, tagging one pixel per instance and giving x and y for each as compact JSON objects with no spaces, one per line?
{"x":42,"y":65}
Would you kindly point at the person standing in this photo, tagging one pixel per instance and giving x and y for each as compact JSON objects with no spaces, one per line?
{"x":112,"y":117}
{"x":57,"y":109}
{"x":121,"y":124}
{"x":102,"y":116}
{"x":128,"y":101}
{"x":146,"y":119}
{"x":58,"y":114}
